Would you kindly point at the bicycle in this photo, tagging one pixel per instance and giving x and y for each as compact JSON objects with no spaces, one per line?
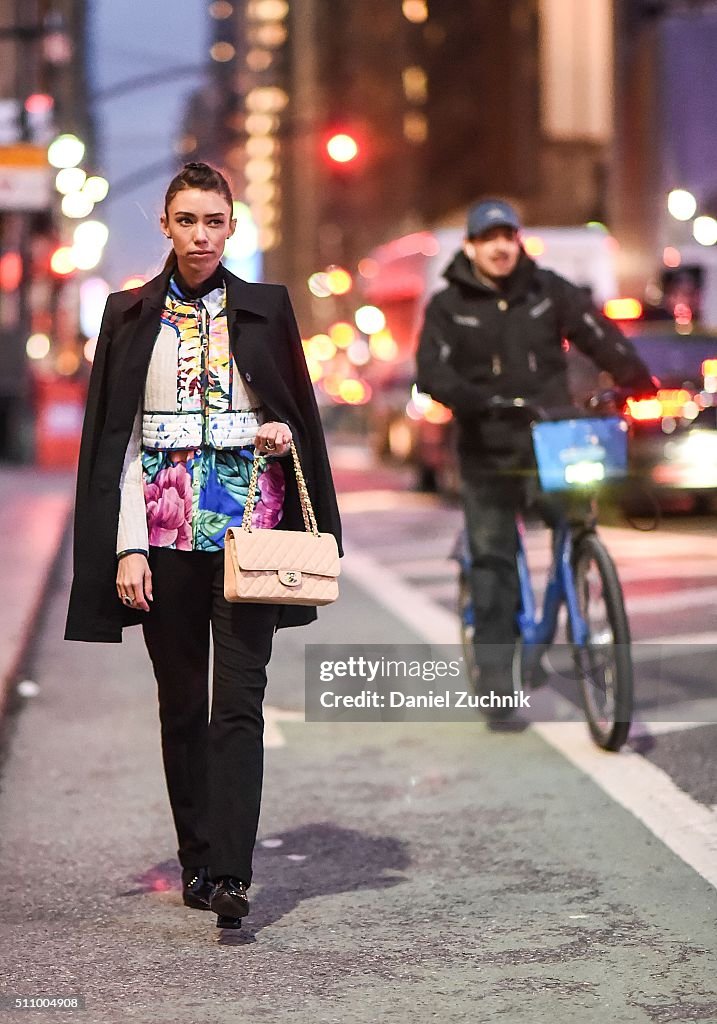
{"x":574,"y":455}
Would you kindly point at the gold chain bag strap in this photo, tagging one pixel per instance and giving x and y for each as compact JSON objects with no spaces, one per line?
{"x":280,"y":566}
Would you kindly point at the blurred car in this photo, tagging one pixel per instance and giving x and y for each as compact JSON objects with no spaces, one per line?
{"x":673,"y":446}
{"x":673,"y":436}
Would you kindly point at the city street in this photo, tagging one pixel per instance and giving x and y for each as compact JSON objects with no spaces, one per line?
{"x":404,"y":871}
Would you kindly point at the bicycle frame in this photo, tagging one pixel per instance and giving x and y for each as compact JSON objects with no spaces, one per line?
{"x":538,"y":630}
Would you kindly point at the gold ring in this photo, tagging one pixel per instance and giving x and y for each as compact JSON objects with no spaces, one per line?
{"x":269,"y":445}
{"x":127,"y":599}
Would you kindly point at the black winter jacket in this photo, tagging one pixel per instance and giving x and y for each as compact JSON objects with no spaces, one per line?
{"x":477,"y":343}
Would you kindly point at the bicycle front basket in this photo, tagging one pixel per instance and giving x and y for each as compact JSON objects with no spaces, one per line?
{"x":580,"y":454}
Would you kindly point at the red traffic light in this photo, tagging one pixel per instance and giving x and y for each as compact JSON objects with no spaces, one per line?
{"x":342,"y":148}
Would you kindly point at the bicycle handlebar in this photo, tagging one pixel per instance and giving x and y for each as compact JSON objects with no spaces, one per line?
{"x":611,"y":396}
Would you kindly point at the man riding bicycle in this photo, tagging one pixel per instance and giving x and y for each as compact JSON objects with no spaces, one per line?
{"x":497,"y":333}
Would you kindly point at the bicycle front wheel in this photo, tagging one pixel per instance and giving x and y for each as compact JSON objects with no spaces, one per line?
{"x":604,"y":661}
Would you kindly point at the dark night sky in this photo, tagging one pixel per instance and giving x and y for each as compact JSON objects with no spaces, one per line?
{"x":127,"y":38}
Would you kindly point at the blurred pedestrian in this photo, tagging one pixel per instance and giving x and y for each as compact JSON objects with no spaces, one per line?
{"x":196,"y":375}
{"x":493,"y":335}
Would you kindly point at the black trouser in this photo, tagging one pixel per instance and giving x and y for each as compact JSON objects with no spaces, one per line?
{"x":214,"y":766}
{"x":491,"y":499}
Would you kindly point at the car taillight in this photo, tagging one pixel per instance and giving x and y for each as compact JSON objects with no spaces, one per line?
{"x":643,"y":410}
{"x":672,"y":402}
{"x":623,"y":309}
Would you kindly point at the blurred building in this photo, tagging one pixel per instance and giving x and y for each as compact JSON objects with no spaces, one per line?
{"x":42,"y":92}
{"x":443,"y":101}
{"x":557,"y":105}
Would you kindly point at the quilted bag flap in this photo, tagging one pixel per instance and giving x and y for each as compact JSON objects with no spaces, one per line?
{"x":274,"y":550}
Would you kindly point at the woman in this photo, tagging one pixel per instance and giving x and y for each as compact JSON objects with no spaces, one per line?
{"x":195,"y":375}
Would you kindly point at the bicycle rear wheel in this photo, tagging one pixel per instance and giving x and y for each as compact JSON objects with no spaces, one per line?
{"x":604,"y":662}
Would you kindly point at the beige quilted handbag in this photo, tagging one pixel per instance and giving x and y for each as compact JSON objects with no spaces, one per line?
{"x":280,"y":566}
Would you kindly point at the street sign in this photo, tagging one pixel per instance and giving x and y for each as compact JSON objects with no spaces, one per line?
{"x":25,"y":178}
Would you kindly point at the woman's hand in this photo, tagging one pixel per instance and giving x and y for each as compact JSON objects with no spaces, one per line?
{"x":134,"y":581}
{"x":273,"y":439}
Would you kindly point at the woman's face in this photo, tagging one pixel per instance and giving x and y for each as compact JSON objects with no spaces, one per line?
{"x":198,"y":224}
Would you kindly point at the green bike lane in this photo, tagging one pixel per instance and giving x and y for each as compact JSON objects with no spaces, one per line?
{"x":405,"y":872}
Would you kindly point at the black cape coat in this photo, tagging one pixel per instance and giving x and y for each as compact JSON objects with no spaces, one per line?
{"x":266,"y":345}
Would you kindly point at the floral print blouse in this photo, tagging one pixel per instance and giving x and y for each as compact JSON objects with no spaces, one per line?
{"x":192,"y":495}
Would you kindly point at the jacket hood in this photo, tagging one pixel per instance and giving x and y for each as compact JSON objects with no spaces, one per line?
{"x":460,"y":271}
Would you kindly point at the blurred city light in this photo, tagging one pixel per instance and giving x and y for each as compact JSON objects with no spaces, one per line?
{"x":10,"y":271}
{"x":62,"y":261}
{"x":316,"y":370}
{"x":92,"y":233}
{"x":221,"y":10}
{"x":623,"y":309}
{"x":681,"y":204}
{"x":39,"y":103}
{"x":222,"y":52}
{"x":415,"y":10}
{"x":261,"y":146}
{"x":370,"y":319}
{"x":415,"y":126}
{"x":261,"y":124}
{"x":331,"y":384}
{"x":415,"y":84}
{"x":339,"y":281}
{"x":319,"y":285}
{"x":70,"y":179}
{"x":342,"y":334}
{"x":86,"y":257}
{"x":97,"y":188}
{"x":89,"y":349}
{"x":268,"y":10}
{"x":37,"y":346}
{"x":354,"y":392}
{"x":259,"y":60}
{"x":671,"y":257}
{"x":267,"y":99}
{"x":321,"y":348}
{"x":67,"y":362}
{"x":705,"y":230}
{"x":271,"y":35}
{"x":93,"y":296}
{"x":77,"y":205}
{"x":342,"y":148}
{"x":358,"y":352}
{"x":382,"y":345}
{"x":66,"y":151}
{"x":132,"y":282}
{"x":534,"y":245}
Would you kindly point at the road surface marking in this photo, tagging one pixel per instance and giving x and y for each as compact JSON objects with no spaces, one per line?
{"x":646,"y":791}
{"x":273,"y":736}
{"x":407,"y":603}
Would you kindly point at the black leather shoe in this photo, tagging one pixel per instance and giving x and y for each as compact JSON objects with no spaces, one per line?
{"x":197,"y":888}
{"x":228,"y":922}
{"x":229,"y":898}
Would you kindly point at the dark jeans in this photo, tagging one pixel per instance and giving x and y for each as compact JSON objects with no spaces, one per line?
{"x":491,"y":500}
{"x":214,"y":766}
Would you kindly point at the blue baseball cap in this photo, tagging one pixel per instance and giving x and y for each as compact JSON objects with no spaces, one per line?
{"x":491,"y":213}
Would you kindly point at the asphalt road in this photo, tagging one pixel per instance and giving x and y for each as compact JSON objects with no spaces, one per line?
{"x":405,"y":871}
